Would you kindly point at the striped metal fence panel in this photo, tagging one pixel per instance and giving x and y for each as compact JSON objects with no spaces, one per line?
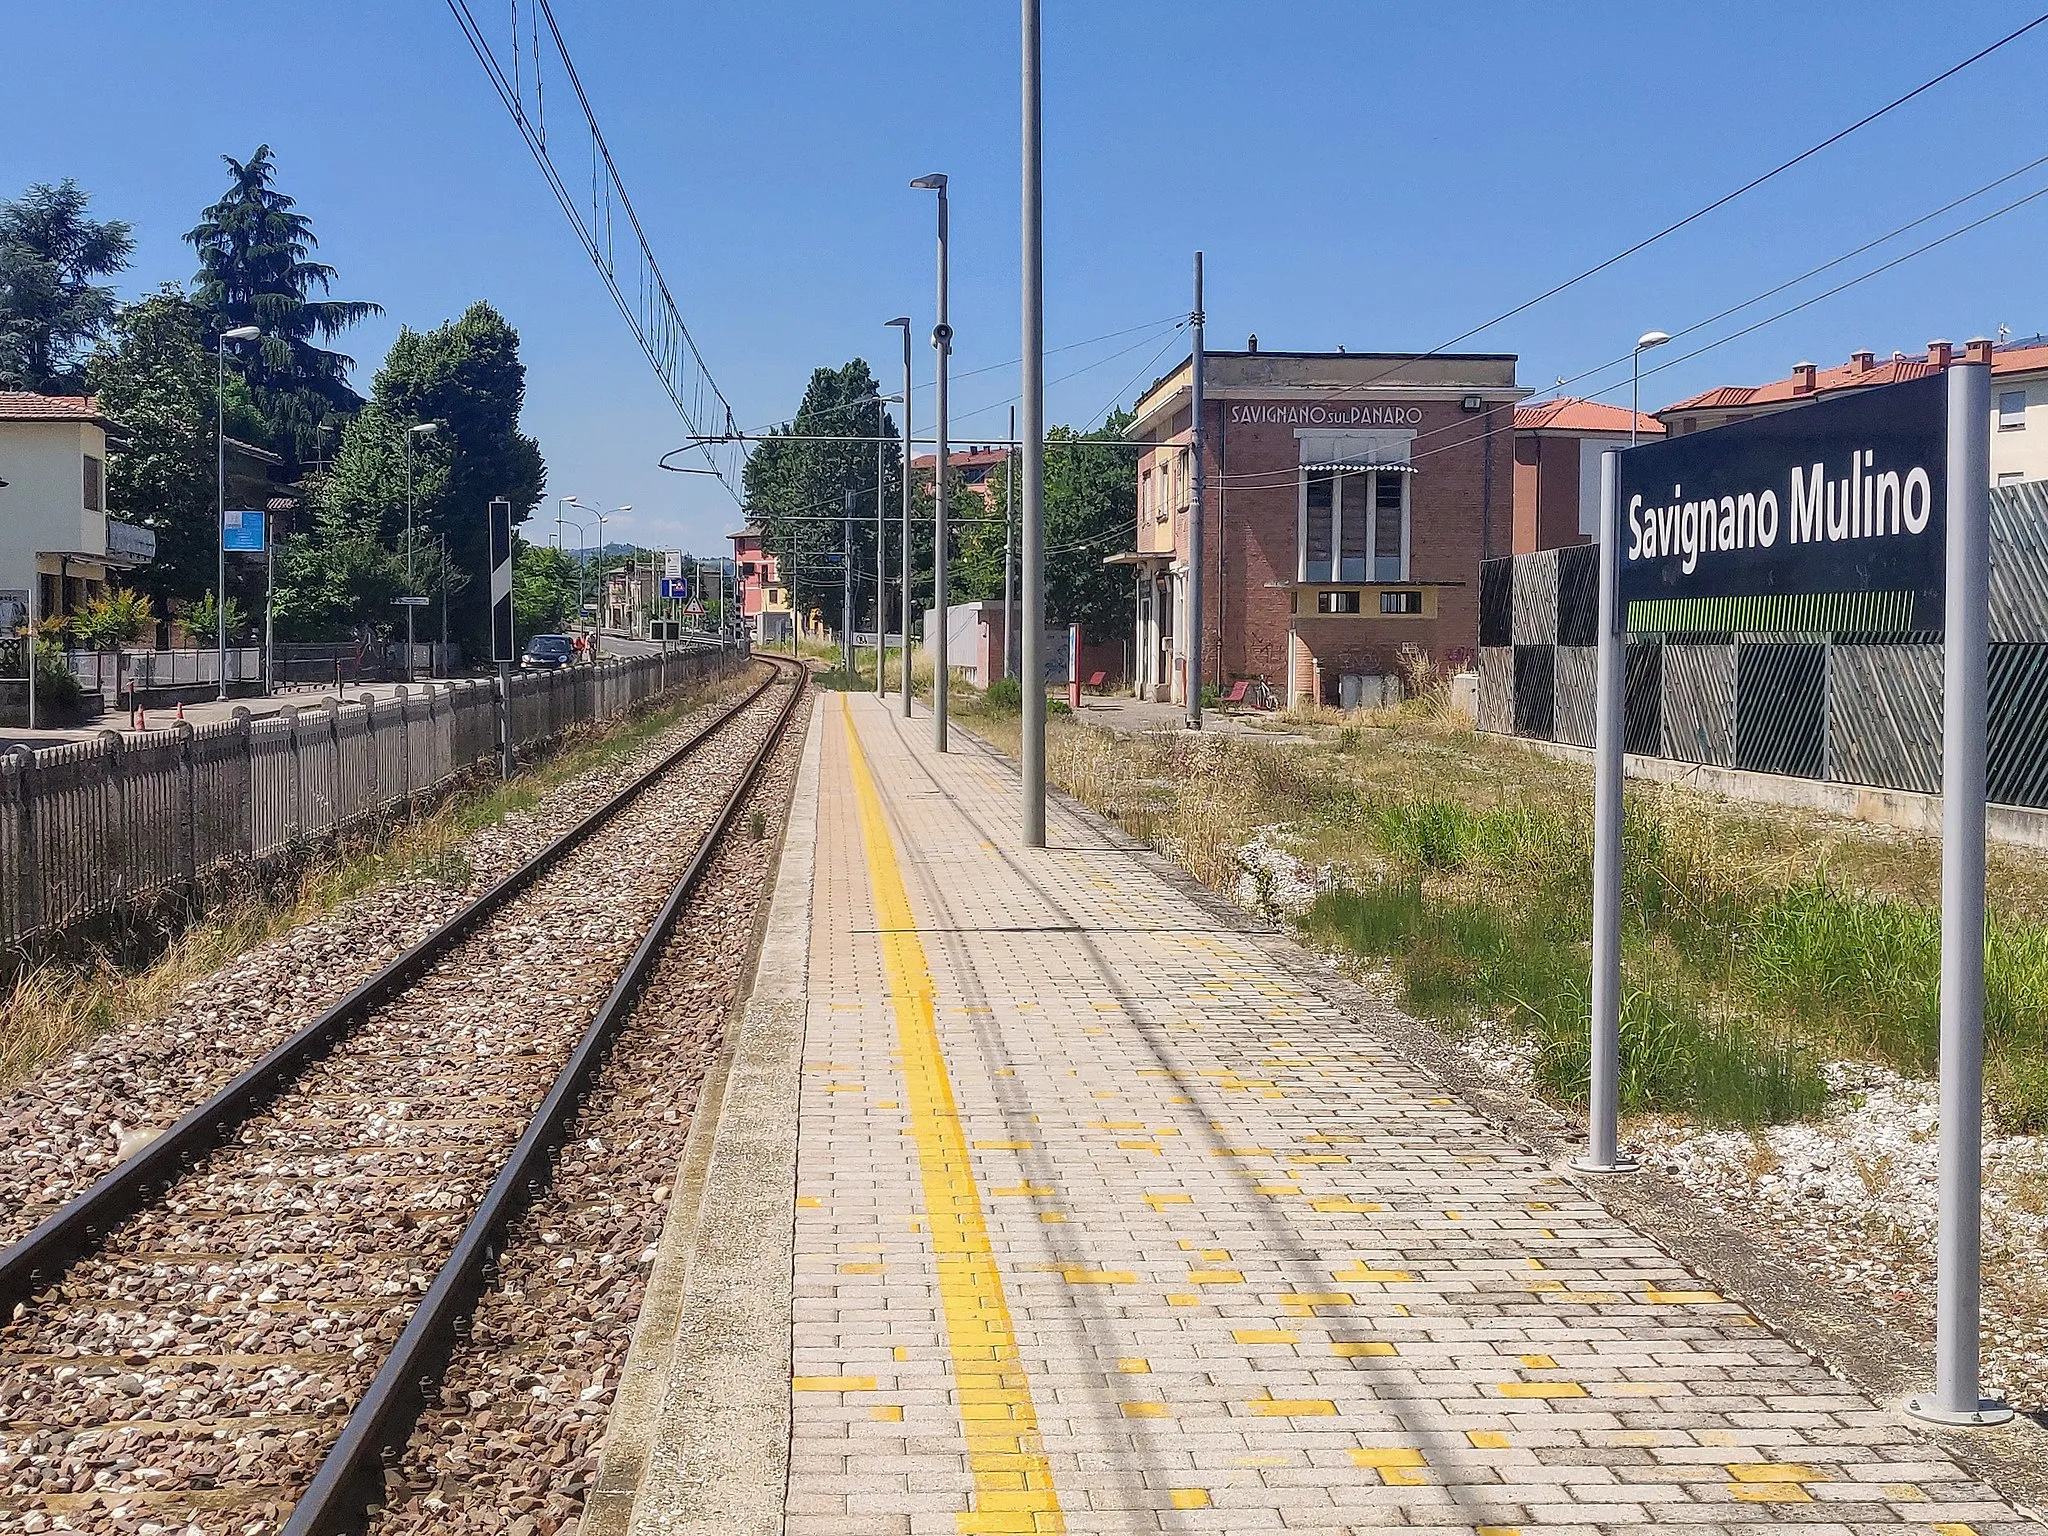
{"x":1884,"y":716}
{"x":1534,"y":620}
{"x":1697,"y":703}
{"x":1574,"y":668}
{"x":91,"y":826}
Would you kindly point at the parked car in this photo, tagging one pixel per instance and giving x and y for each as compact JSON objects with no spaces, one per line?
{"x":544,"y":653}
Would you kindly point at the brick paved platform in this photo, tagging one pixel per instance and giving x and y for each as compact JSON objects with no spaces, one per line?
{"x":1107,"y":1222}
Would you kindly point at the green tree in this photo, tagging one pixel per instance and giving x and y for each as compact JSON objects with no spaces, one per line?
{"x":119,"y":618}
{"x":51,"y":309}
{"x":255,"y":269}
{"x":201,"y":621}
{"x":466,"y":378}
{"x":546,"y":590}
{"x":796,"y":491}
{"x":1091,"y":511}
{"x":155,"y":375}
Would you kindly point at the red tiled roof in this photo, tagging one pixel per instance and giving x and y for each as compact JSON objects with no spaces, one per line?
{"x":1855,"y":374}
{"x":1570,"y":415}
{"x":22,"y":405}
{"x":963,"y":458}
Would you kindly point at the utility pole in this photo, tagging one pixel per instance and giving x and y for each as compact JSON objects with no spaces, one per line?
{"x":942,"y":343}
{"x":845,"y":578}
{"x":1194,"y":636}
{"x":1031,"y":663}
{"x":881,"y":544}
{"x":1010,"y":550}
{"x":903,"y":593}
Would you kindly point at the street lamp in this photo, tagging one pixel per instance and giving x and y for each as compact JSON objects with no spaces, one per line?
{"x":597,"y":637}
{"x":1644,"y":342}
{"x":942,"y":343}
{"x":419,"y":429}
{"x":220,"y":435}
{"x":903,"y":323}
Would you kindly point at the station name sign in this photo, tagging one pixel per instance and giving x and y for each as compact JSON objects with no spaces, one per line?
{"x":1842,"y":496}
{"x":1289,"y":413}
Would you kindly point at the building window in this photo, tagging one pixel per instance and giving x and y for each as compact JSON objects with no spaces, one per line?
{"x":1354,"y":526}
{"x":1336,"y":602}
{"x":95,"y":485}
{"x":1318,"y":501}
{"x":1400,"y":602}
{"x":1390,"y":527}
{"x":2012,"y":410}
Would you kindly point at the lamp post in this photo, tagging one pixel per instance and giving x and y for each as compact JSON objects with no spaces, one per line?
{"x":942,"y":343}
{"x":1644,"y":342}
{"x":220,"y":437}
{"x":418,"y":429}
{"x":1031,"y":525}
{"x":903,"y":323}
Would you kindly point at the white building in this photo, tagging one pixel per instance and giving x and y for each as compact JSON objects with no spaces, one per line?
{"x":55,"y":532}
{"x":2019,"y":397}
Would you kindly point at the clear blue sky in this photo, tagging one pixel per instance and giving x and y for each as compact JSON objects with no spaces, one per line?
{"x":1376,"y":176}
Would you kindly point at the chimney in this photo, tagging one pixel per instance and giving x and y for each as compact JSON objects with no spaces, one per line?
{"x":1251,"y":342}
{"x":1940,"y":353}
{"x":1862,"y":362}
{"x":1977,"y":350}
{"x":1803,"y":375}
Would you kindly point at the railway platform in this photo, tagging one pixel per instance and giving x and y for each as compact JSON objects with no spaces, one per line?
{"x":1040,"y":1199}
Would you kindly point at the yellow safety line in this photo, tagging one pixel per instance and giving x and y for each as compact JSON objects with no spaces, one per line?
{"x":1013,"y":1488}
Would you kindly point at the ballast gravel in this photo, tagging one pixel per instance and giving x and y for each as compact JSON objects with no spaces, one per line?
{"x":76,"y":1118}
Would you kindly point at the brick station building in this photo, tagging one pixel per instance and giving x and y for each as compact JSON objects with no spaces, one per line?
{"x":1350,"y":497}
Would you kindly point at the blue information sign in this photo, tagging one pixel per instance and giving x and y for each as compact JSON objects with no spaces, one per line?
{"x":675,"y":586}
{"x":241,"y":533}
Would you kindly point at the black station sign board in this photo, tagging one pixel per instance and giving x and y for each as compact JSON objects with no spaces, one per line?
{"x":1825,"y":517}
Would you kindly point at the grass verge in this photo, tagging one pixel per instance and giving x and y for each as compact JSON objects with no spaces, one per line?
{"x":1757,"y":944}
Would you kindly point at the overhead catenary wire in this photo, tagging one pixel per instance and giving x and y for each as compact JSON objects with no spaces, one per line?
{"x":652,"y":315}
{"x":1338,"y":391}
{"x":1151,"y":326}
{"x":1252,"y":478}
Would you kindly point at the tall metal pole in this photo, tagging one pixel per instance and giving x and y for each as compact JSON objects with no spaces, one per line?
{"x":220,"y":520}
{"x":1635,"y":393}
{"x":1010,"y":550}
{"x":845,"y":582}
{"x":881,"y":545}
{"x":444,"y":604}
{"x":1031,"y":661}
{"x":1965,"y":661}
{"x":1195,"y":640}
{"x":410,"y":607}
{"x":903,"y":596}
{"x":942,"y":343}
{"x":1601,"y":1154}
{"x":269,"y":605}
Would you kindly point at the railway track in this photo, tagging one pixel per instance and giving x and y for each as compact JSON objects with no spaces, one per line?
{"x":236,"y":1329}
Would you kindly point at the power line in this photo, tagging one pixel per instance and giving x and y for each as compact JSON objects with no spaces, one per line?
{"x":1251,"y":478}
{"x":651,"y":312}
{"x":1268,"y":478}
{"x":1338,"y":391}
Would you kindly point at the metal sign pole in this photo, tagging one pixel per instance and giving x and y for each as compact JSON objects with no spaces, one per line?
{"x":1601,"y":1154}
{"x":1965,"y":662}
{"x":1031,"y":520}
{"x":504,"y":641}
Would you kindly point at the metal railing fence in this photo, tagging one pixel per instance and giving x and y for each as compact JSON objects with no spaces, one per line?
{"x":1845,"y":708}
{"x":89,"y":827}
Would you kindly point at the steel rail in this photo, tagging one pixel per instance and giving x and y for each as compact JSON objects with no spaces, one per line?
{"x":76,"y":1228}
{"x":350,"y":1479}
